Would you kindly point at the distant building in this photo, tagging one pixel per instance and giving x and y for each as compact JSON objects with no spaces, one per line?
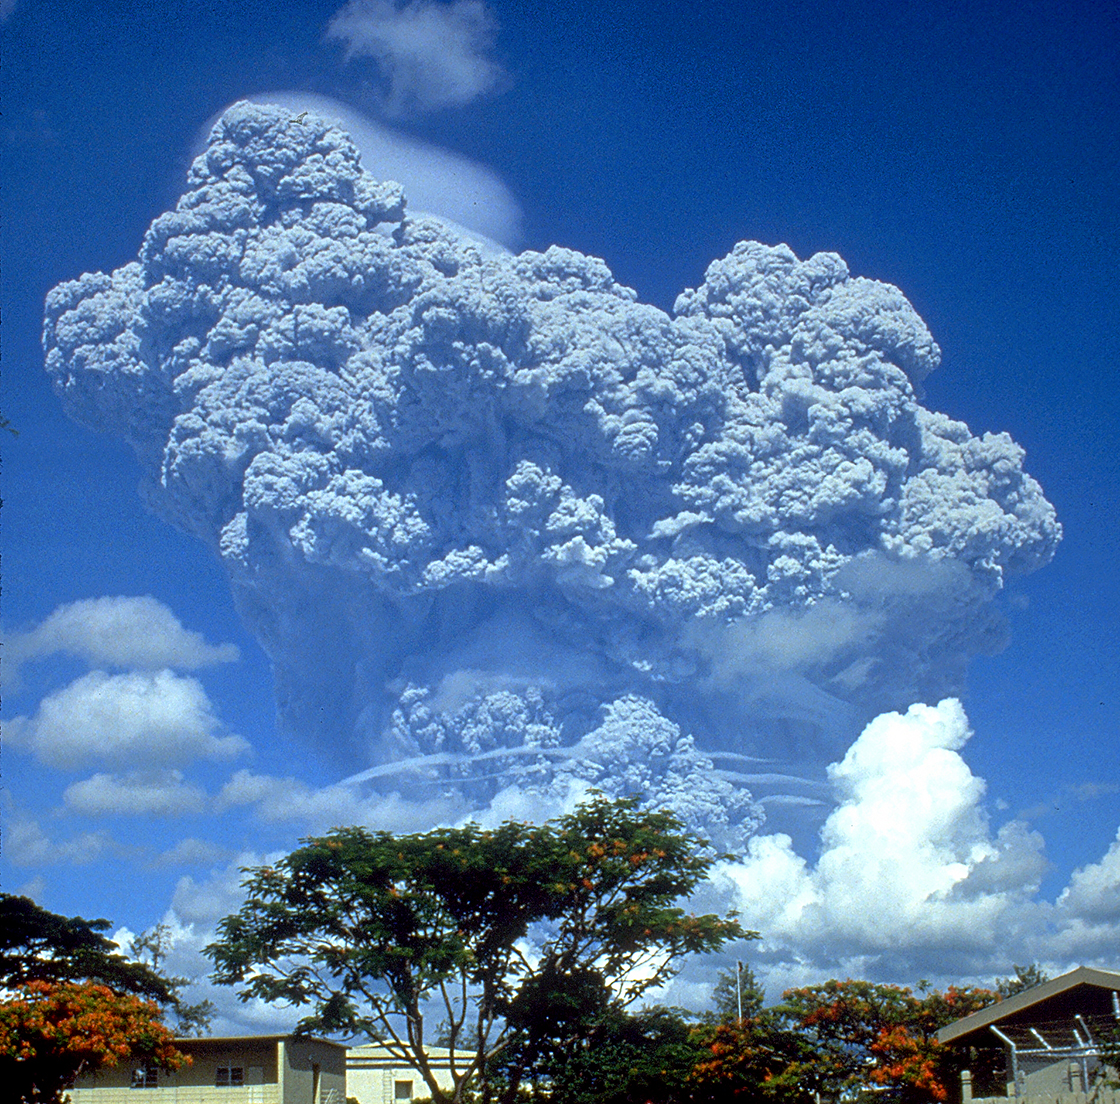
{"x":374,"y":1076}
{"x":1046,"y":1040}
{"x":242,"y":1069}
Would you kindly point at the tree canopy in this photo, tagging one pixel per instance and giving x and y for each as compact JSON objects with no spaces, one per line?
{"x":53,"y":1032}
{"x":838,"y":1038}
{"x":626,"y":1058}
{"x":73,"y":1004}
{"x":517,"y":938}
{"x":1026,"y":977}
{"x":37,"y":945}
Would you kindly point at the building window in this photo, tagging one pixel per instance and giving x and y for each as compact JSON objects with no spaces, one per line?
{"x":144,"y":1077}
{"x":229,"y":1077}
{"x":402,"y":1090}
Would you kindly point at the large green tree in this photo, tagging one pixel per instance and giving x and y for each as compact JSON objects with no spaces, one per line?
{"x":644,"y":1057}
{"x":37,"y":945}
{"x":516,"y":940}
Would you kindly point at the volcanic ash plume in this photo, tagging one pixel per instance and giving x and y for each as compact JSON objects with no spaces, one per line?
{"x":498,"y":524}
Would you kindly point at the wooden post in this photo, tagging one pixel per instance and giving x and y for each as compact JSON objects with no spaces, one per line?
{"x":966,"y":1087}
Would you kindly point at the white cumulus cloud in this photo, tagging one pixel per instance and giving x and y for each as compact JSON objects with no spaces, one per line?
{"x":192,"y":852}
{"x":908,"y":862}
{"x":138,"y":793}
{"x":117,"y":632}
{"x":1086,"y":920}
{"x":1094,"y":890}
{"x":430,"y":55}
{"x":141,"y":719}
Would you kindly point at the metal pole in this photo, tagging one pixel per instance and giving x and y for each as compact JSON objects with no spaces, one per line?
{"x":1087,"y":1044}
{"x":1014,"y":1056}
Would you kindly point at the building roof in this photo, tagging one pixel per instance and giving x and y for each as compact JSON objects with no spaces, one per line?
{"x":224,"y":1039}
{"x":1101,"y":982}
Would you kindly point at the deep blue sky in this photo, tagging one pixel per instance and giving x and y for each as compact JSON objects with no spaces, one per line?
{"x":969,"y":154}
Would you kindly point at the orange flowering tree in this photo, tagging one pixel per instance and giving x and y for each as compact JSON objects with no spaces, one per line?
{"x":756,"y":1058}
{"x":863,"y":1033}
{"x":52,"y":1032}
{"x":523,"y":937}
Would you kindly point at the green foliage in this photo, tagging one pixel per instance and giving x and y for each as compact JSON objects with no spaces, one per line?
{"x":757,"y":1058}
{"x":864,"y":1034}
{"x":1026,"y":977}
{"x":1107,"y":1073}
{"x":523,"y":937}
{"x":730,"y":986}
{"x":644,"y":1058}
{"x":37,"y":945}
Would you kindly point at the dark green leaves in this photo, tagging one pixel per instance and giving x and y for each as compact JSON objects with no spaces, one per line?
{"x":37,"y":945}
{"x":519,"y":936}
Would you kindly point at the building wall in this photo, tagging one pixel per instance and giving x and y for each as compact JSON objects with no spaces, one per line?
{"x":175,"y":1094}
{"x":1096,"y":1097}
{"x":195,"y":1083}
{"x":311,"y":1072}
{"x":1052,"y":1079}
{"x":284,"y":1071}
{"x":373,"y":1075}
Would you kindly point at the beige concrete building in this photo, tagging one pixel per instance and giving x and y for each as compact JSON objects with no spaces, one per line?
{"x":1048,"y":1037}
{"x":244,"y":1069}
{"x":374,"y":1076}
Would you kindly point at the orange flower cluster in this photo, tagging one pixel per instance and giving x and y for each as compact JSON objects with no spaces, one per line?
{"x":66,"y":1029}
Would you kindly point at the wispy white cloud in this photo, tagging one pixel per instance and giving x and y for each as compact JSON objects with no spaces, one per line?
{"x":192,"y":852}
{"x":117,"y":632}
{"x":26,"y":844}
{"x":199,"y":903}
{"x":141,"y":720}
{"x":430,"y":55}
{"x":33,"y":888}
{"x":291,"y":800}
{"x":138,"y":793}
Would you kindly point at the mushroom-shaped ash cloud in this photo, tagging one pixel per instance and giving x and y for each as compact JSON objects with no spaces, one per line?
{"x":498,"y":523}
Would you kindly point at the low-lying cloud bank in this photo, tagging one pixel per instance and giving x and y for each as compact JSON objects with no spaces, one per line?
{"x":506,"y":532}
